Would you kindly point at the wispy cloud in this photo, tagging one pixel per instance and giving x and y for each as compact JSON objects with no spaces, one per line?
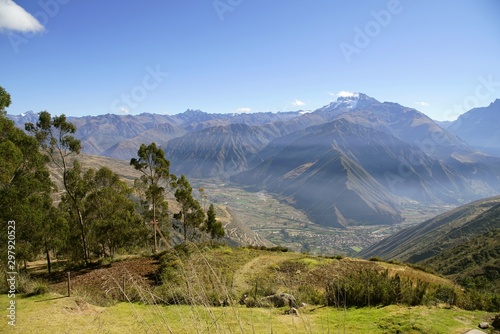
{"x":242,"y":110}
{"x":422,"y":104}
{"x":344,"y":93}
{"x":124,"y":110}
{"x":14,"y":18}
{"x":298,"y":103}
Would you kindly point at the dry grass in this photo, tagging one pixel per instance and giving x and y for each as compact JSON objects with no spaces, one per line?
{"x":53,"y":314}
{"x":207,"y":276}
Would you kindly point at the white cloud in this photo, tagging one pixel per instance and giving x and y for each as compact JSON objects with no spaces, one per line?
{"x":422,"y":104}
{"x":298,"y":103}
{"x":124,"y":110}
{"x":14,"y":17}
{"x":242,"y":110}
{"x":344,"y":93}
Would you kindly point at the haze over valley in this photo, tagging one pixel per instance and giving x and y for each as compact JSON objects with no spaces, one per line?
{"x":356,"y":162}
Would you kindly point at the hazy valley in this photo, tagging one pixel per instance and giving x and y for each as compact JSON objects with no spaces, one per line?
{"x":354,"y":162}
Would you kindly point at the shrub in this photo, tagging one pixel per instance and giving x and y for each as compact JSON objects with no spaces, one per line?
{"x":309,"y":295}
{"x":39,"y":288}
{"x":270,"y":249}
{"x":369,"y":287}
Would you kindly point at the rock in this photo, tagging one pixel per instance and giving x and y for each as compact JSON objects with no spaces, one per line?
{"x":242,"y":299}
{"x":292,"y":311}
{"x":250,"y":302}
{"x":484,"y":325}
{"x":475,"y":331}
{"x":281,"y":299}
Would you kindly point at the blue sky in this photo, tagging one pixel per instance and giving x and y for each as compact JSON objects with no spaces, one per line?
{"x":165,"y":56}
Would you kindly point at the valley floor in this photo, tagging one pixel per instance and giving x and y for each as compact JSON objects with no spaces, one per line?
{"x":51,"y":313}
{"x":259,"y":218}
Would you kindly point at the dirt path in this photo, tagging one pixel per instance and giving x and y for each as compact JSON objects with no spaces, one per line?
{"x":243,"y":276}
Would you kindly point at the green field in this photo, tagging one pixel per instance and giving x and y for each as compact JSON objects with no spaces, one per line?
{"x":52,"y":313}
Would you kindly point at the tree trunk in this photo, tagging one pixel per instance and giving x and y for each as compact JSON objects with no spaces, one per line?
{"x":155,"y":225}
{"x":84,"y":236}
{"x":47,"y":252}
{"x":80,"y":217}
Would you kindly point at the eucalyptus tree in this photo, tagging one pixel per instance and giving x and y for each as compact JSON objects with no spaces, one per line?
{"x":111,"y":213}
{"x":25,"y":189}
{"x":4,"y":100}
{"x":55,"y":136}
{"x":191,"y":214}
{"x":153,"y":185}
{"x":212,"y":226}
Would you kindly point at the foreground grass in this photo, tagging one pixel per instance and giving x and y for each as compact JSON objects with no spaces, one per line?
{"x":52,"y":313}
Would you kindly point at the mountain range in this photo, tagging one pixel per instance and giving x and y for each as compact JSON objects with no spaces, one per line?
{"x":352,"y":162}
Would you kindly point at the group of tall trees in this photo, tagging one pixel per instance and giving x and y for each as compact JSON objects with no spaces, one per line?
{"x":94,"y":213}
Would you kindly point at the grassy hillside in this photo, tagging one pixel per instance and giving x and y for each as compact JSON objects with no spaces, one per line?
{"x":439,"y":234}
{"x":214,"y":275}
{"x":474,"y":263}
{"x":462,"y":244}
{"x":182,"y":291}
{"x":223,"y":275}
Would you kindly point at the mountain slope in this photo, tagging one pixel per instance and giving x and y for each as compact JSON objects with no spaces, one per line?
{"x":477,"y":257}
{"x":329,"y":169}
{"x":438,"y":234}
{"x":324,"y":181}
{"x":402,"y":168}
{"x":479,"y":128}
{"x":218,"y":151}
{"x":159,"y":133}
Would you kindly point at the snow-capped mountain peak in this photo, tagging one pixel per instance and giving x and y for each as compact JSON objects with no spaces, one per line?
{"x":349,"y":100}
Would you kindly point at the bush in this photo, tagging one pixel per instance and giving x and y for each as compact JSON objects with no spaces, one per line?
{"x":309,"y":295}
{"x":270,"y":249}
{"x":39,"y":288}
{"x":369,"y":288}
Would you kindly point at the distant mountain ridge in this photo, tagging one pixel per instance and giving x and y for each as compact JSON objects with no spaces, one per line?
{"x":351,"y":162}
{"x":105,"y":134}
{"x":480,"y":127}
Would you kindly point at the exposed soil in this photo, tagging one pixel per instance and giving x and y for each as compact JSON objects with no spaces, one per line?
{"x":109,"y":278}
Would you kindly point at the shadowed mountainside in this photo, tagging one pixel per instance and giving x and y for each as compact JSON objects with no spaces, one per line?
{"x":439,"y":234}
{"x":479,"y":128}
